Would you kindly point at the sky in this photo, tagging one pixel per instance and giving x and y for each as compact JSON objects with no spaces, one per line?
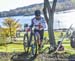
{"x":6,"y":5}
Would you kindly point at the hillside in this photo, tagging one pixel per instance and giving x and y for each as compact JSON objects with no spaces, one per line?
{"x":29,"y":10}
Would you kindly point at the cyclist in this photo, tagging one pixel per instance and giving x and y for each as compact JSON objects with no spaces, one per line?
{"x":39,"y":24}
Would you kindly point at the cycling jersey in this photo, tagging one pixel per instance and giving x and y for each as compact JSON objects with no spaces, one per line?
{"x":38,"y":24}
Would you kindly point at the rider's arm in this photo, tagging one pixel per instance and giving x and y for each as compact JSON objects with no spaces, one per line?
{"x":32,"y":23}
{"x":43,"y":23}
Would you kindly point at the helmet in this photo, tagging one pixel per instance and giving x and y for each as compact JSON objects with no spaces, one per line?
{"x":37,"y":13}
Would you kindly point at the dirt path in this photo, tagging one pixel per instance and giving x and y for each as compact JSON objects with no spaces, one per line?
{"x":40,"y":57}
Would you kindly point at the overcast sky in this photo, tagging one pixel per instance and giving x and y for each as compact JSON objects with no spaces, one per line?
{"x":6,"y":5}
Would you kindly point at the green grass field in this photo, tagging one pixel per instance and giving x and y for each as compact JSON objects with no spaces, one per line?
{"x":19,"y":47}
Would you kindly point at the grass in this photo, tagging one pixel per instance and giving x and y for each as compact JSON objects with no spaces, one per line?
{"x":19,"y":47}
{"x":12,"y":48}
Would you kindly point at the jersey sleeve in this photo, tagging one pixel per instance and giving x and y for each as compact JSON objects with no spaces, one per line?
{"x":32,"y":23}
{"x":43,"y":23}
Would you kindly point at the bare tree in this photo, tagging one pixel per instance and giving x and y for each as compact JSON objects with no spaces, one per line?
{"x":49,"y":17}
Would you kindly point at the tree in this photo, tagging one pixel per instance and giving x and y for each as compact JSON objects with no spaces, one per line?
{"x":12,"y":26}
{"x":49,"y":17}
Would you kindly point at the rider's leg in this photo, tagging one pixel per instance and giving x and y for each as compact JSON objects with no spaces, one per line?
{"x":41,"y":37}
{"x":38,"y":39}
{"x":35,"y":36}
{"x":35,"y":41}
{"x":32,"y":34}
{"x":30,"y":39}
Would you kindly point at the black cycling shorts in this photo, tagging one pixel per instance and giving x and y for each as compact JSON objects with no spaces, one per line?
{"x":41,"y":33}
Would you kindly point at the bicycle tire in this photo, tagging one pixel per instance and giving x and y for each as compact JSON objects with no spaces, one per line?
{"x":25,"y":42}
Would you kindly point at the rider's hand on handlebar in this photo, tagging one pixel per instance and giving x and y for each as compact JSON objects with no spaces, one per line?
{"x":40,"y":26}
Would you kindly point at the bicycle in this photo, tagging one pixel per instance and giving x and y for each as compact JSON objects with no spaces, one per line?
{"x":36,"y":47}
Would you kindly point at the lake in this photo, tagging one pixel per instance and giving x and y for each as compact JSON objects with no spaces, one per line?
{"x":61,"y":19}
